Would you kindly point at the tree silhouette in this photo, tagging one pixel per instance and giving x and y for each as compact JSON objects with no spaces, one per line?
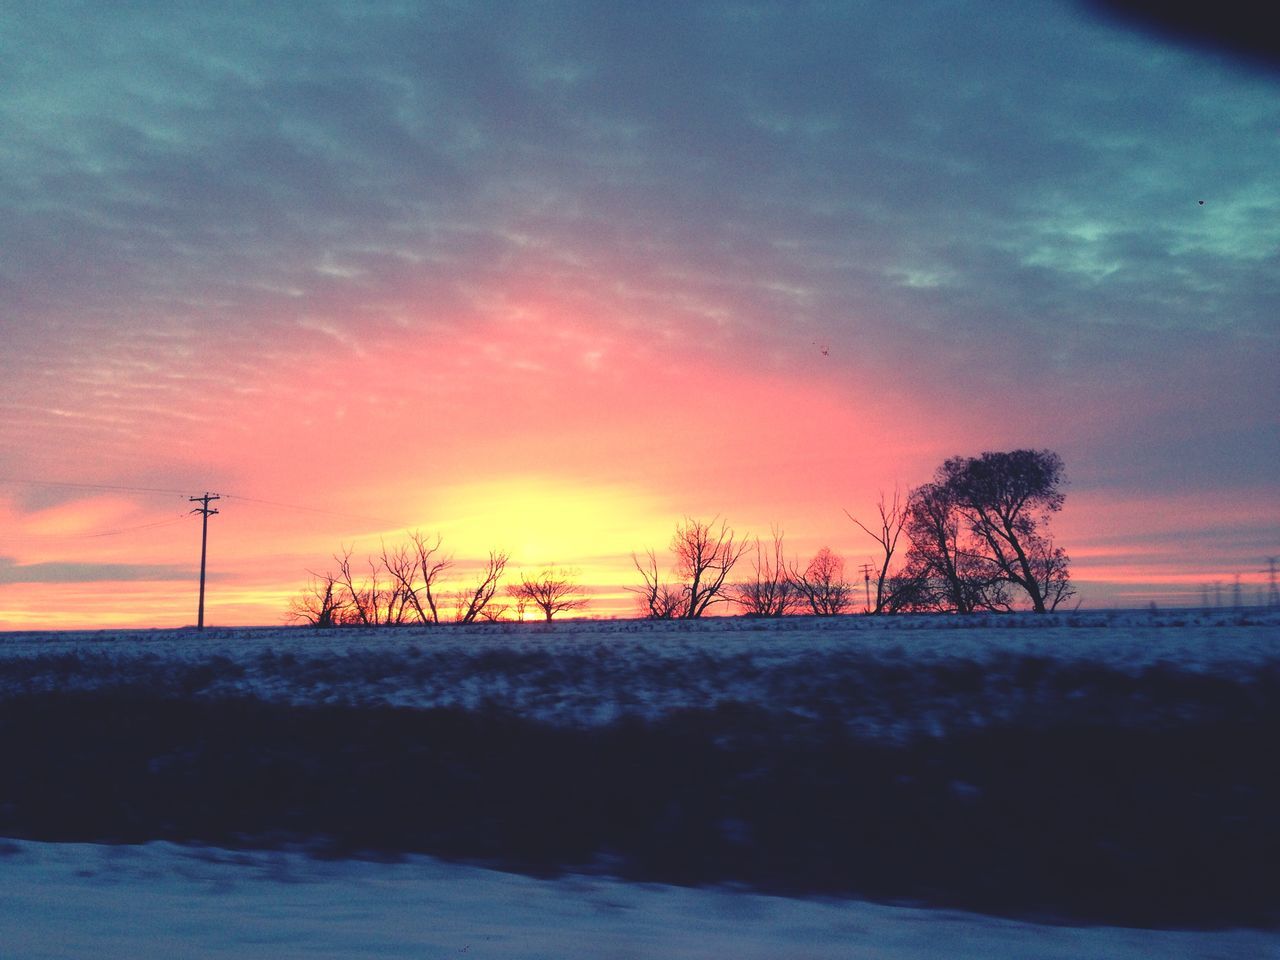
{"x":704,"y":555}
{"x":417,"y":569}
{"x":893,"y":520}
{"x":371,"y":600}
{"x":1006,"y":500}
{"x":551,"y":591}
{"x":770,"y":592}
{"x":980,"y":528}
{"x":469,"y":605}
{"x":322,"y":602}
{"x":823,"y":585}
{"x":658,"y":599}
{"x":943,"y":572}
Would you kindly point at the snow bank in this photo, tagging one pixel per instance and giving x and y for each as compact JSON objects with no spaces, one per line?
{"x":158,"y":901}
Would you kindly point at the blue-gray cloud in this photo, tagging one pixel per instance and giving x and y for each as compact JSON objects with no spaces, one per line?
{"x":1002,"y":206}
{"x":70,"y":572}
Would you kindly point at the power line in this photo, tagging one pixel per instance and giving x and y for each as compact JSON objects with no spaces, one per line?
{"x":183,"y":493}
{"x":91,"y":486}
{"x":327,"y":513}
{"x":181,"y":518}
{"x":58,"y":537}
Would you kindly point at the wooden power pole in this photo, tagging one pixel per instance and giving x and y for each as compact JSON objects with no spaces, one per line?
{"x":866,"y":581}
{"x":205,"y":512}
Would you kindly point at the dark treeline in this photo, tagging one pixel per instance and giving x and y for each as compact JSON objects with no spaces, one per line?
{"x":974,"y":538}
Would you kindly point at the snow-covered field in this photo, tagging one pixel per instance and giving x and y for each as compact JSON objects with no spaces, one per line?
{"x":764,"y":736}
{"x":593,"y":671}
{"x":1185,"y":636}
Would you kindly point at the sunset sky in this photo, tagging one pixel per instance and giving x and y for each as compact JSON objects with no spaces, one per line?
{"x":548,"y":276}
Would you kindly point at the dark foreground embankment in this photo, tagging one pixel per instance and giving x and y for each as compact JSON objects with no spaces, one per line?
{"x":1164,"y":824}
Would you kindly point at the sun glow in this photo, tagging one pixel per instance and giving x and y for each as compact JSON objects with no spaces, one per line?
{"x":553,"y":521}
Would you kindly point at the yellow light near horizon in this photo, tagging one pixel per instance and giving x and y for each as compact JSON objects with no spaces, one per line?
{"x":544,"y":521}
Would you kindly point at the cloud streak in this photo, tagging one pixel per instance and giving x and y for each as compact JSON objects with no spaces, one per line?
{"x":80,"y":573}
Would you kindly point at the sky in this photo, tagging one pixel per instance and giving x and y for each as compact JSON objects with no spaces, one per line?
{"x":549,"y":276}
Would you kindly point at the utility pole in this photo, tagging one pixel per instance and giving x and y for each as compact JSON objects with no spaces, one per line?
{"x":866,"y":581}
{"x":205,"y":512}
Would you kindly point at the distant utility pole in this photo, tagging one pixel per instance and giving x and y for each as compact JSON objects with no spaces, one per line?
{"x":205,"y":512}
{"x":866,"y":580}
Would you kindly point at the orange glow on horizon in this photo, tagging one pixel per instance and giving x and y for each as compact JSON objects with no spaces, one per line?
{"x":549,"y":436}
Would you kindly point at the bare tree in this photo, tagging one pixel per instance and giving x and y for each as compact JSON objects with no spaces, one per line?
{"x":373,"y":600}
{"x":893,"y":519}
{"x":551,"y":591}
{"x":911,"y":592}
{"x":470,"y":604}
{"x":935,"y":560}
{"x":494,"y":612}
{"x":401,"y":567}
{"x":1006,"y":500}
{"x":1050,"y":565}
{"x":358,"y":605}
{"x":361,"y":593}
{"x":658,"y":600}
{"x":823,"y":584}
{"x":944,"y":571}
{"x":770,"y":592}
{"x":322,"y":603}
{"x":417,"y":568}
{"x":704,"y":557}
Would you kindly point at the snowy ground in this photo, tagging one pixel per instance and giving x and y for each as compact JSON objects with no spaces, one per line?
{"x":889,"y":681}
{"x":589,"y":672}
{"x":158,"y":902}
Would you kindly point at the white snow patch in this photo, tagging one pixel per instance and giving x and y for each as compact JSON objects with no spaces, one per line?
{"x":160,"y":901}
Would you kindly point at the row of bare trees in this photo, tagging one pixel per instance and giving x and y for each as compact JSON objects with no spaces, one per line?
{"x":974,"y":538}
{"x":705,"y":553}
{"x":405,"y":584}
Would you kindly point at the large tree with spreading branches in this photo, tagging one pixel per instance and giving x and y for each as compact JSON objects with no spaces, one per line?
{"x":981,"y":528}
